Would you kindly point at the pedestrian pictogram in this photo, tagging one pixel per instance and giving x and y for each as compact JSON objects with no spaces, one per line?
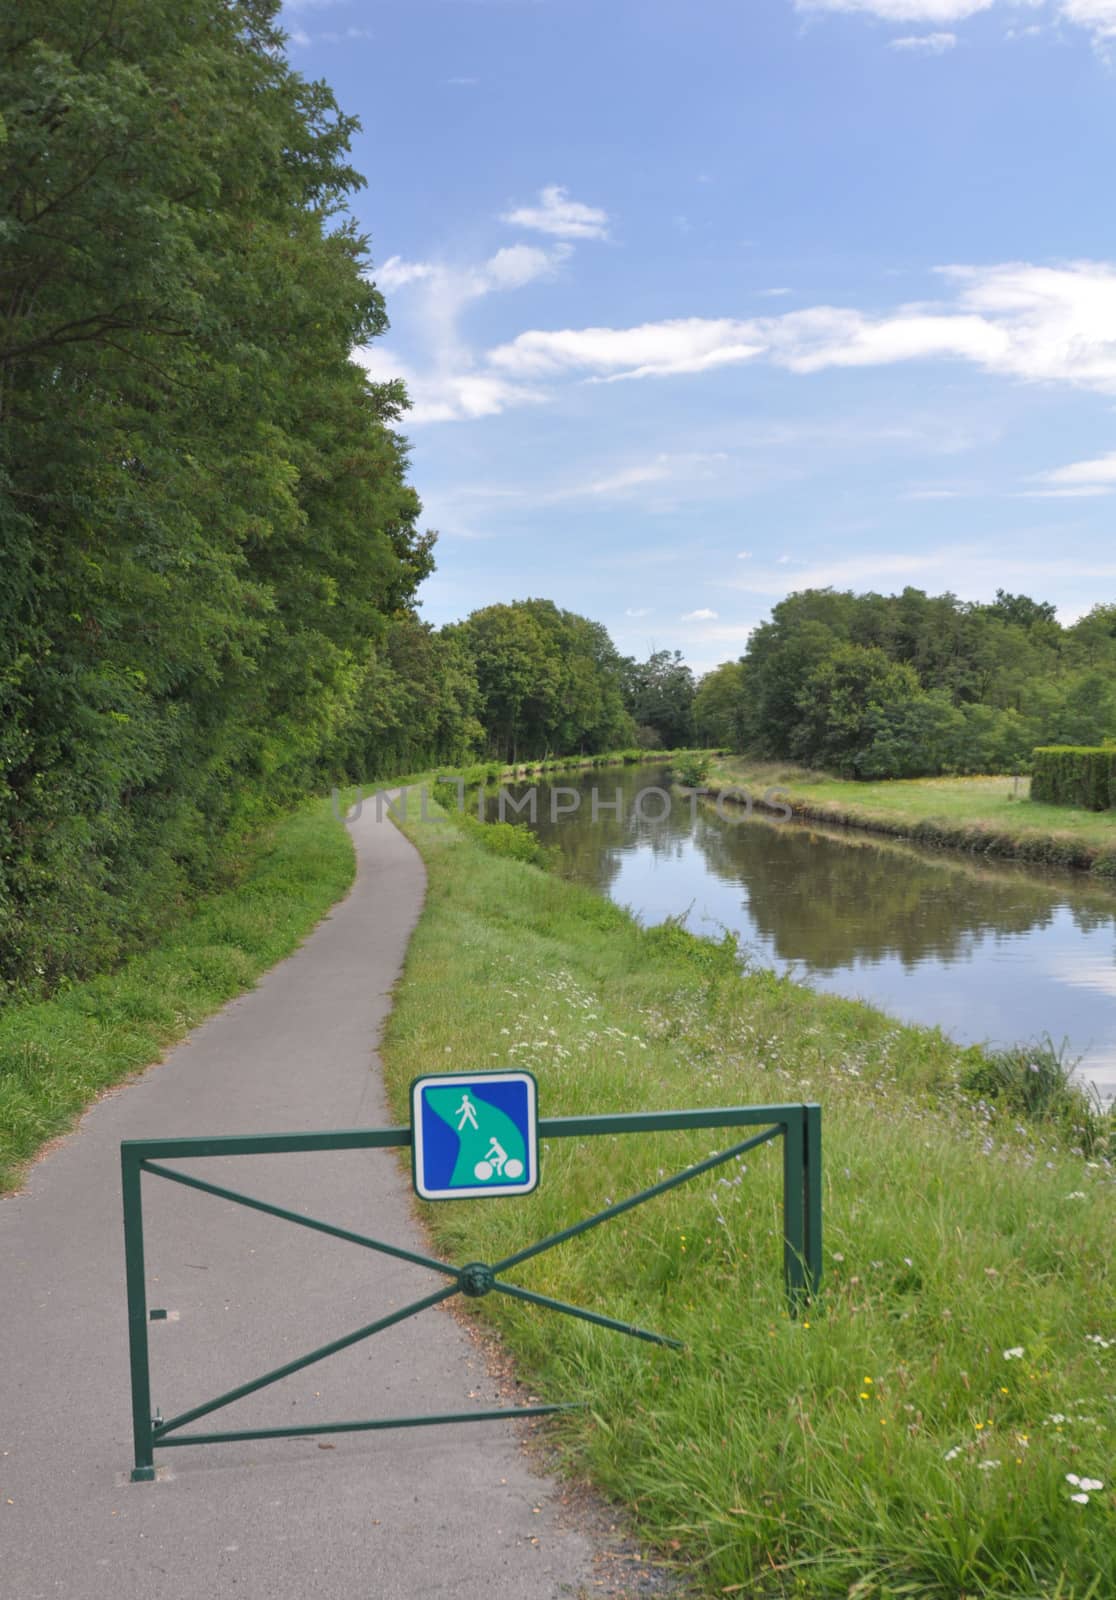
{"x":474,"y":1134}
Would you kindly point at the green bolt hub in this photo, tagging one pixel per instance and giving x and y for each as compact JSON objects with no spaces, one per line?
{"x":477,"y":1279}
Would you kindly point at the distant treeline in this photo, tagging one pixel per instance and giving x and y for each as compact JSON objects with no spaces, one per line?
{"x":898,"y":686}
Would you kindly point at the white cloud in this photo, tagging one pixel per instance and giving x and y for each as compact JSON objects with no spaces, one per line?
{"x":704,"y":615}
{"x":509,"y":268}
{"x":689,"y":344}
{"x":560,"y":216}
{"x":638,"y":611}
{"x":904,"y":10}
{"x":969,"y":570}
{"x":299,"y":37}
{"x":1100,"y":470}
{"x":443,"y":394}
{"x":395,"y":272}
{"x":929,"y":44}
{"x":1085,"y":491}
{"x":1042,"y":324}
{"x":1099,"y":16}
{"x":744,"y":555}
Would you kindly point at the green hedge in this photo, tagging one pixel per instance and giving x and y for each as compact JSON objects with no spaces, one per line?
{"x":1075,"y":775}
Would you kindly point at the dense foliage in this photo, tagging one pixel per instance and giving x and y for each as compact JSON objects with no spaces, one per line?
{"x":205,"y":523}
{"x":1075,"y":775}
{"x":548,"y":681}
{"x":659,"y":693}
{"x":883,"y":686}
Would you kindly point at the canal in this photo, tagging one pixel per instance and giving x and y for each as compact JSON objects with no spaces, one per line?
{"x":989,"y":951}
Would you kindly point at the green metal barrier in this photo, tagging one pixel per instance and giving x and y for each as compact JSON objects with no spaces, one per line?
{"x":799,"y":1126}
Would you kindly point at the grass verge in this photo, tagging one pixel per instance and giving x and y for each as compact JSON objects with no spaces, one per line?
{"x":913,"y":1434}
{"x":58,"y":1054}
{"x":976,"y":814}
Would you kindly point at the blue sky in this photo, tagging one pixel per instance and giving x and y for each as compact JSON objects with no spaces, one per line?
{"x":701,"y":305}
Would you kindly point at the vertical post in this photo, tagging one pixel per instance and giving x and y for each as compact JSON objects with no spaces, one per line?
{"x":794,"y":1222}
{"x":812,"y":1164}
{"x":131,"y":1167}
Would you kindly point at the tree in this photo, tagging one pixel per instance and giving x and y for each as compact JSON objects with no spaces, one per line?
{"x":659,"y":694}
{"x":203,"y":502}
{"x":718,"y":704}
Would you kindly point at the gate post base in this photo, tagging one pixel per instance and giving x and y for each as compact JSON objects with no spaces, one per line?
{"x":143,"y":1475}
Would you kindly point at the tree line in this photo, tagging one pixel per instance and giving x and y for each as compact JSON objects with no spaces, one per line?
{"x":211,"y":550}
{"x":910,"y":685}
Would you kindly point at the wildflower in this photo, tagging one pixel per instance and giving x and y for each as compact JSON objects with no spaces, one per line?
{"x":951,"y":1455}
{"x":1014,"y":1354}
{"x":1078,"y":1194}
{"x":1082,"y":1499}
{"x":1086,"y":1484}
{"x":986,"y":1466}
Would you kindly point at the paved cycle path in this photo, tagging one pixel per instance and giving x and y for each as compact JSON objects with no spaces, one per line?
{"x":388,"y":1516}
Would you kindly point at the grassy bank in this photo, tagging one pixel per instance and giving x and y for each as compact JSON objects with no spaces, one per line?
{"x":57,"y":1055}
{"x":912,"y":1436}
{"x":976,"y":814}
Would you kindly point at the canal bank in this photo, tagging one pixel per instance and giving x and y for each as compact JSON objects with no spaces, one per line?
{"x":992,"y":951}
{"x":850,"y":1447}
{"x":987,"y":816}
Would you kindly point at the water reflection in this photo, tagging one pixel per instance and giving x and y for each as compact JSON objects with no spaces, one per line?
{"x":987,"y":951}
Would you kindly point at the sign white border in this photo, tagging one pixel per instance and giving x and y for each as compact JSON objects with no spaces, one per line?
{"x":501,"y":1191}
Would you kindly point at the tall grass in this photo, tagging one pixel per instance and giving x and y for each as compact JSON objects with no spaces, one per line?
{"x":56,"y":1056}
{"x":912,"y":1435}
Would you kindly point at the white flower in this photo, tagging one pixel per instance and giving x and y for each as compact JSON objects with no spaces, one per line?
{"x":950,"y":1455}
{"x":986,"y":1466}
{"x":1014,"y":1354}
{"x":1083,"y":1483}
{"x":1078,"y":1194}
{"x":1082,"y":1499}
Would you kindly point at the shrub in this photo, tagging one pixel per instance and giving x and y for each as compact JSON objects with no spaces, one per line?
{"x":1035,"y":1082}
{"x":691,"y":769}
{"x":1075,"y":775}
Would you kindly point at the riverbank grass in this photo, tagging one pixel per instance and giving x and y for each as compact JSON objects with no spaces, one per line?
{"x":930,"y":1428}
{"x":994,"y":815}
{"x":58,"y":1055}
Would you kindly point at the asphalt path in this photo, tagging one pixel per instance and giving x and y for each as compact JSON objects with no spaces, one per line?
{"x":408,"y":1513}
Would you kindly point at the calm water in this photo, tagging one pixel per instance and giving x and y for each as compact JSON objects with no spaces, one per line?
{"x":988,"y":952}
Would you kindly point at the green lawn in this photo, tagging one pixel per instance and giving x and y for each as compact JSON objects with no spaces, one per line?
{"x":913,"y":1434}
{"x":981,"y":814}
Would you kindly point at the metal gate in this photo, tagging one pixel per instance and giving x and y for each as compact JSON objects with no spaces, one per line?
{"x":799,"y":1127}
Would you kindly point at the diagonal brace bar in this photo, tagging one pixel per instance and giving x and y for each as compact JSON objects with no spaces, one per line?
{"x":638,"y":1199}
{"x":587,"y":1316}
{"x":295,"y":1216}
{"x":312,"y":1429}
{"x":285,"y":1371}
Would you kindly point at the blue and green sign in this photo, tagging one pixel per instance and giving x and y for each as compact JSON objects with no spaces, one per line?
{"x":474,"y":1134}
